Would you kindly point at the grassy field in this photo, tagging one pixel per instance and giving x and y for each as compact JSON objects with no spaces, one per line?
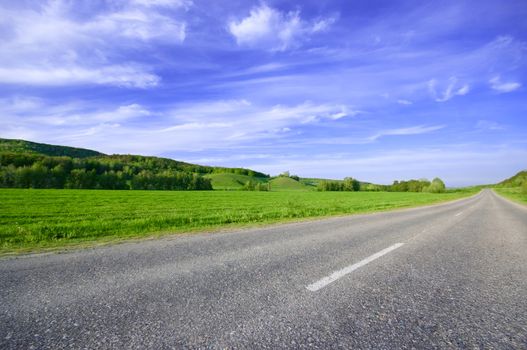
{"x":514,"y":193}
{"x":38,"y":219}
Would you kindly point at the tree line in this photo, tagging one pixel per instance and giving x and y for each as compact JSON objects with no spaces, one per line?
{"x":23,"y":170}
{"x":351,"y":184}
{"x":348,"y":184}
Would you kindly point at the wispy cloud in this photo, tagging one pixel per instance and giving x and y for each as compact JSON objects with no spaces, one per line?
{"x":503,"y":87}
{"x":269,"y":28}
{"x":187,"y":127}
{"x":413,"y":130}
{"x":453,"y":88}
{"x":489,"y":125}
{"x":373,"y":136}
{"x":50,"y":45}
{"x":27,"y":111}
{"x":164,"y":3}
{"x":52,"y":75}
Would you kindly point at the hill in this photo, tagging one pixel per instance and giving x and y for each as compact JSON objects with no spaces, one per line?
{"x":226,"y":181}
{"x":22,"y":146}
{"x":515,"y":181}
{"x":36,"y":149}
{"x":283,"y":183}
{"x":25,"y":164}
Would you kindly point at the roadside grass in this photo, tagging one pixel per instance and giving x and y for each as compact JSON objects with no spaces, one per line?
{"x":514,"y":193}
{"x":36,"y":220}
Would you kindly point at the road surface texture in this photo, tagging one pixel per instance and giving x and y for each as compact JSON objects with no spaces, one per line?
{"x":445,"y":276}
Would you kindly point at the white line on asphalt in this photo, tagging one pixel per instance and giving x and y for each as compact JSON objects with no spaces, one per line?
{"x":459,"y":213}
{"x":348,"y":269}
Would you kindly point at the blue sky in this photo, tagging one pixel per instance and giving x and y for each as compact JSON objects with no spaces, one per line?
{"x":376,"y":90}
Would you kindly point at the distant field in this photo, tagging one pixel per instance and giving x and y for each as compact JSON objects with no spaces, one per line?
{"x":34,"y":219}
{"x":513,"y":193}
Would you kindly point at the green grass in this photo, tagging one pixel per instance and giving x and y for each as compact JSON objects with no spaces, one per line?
{"x":514,"y":193}
{"x":32,"y":220}
{"x":283,"y":183}
{"x":225,"y":181}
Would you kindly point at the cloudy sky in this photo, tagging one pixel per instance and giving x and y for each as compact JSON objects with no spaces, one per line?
{"x":377,"y":90}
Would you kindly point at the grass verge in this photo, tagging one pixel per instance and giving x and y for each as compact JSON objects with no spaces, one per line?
{"x":514,"y":193}
{"x":36,"y":220}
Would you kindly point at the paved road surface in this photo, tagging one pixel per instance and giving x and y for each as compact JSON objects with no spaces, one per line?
{"x":446,"y":276}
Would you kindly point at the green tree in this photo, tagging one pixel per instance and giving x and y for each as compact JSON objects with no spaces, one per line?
{"x":437,"y":186}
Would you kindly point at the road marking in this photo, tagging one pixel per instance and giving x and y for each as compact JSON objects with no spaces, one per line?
{"x":459,"y":213}
{"x":348,"y":269}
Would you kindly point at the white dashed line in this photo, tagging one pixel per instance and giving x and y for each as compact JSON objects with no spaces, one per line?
{"x":341,"y":273}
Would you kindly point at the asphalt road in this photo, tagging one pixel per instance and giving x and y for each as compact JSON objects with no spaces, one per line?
{"x":445,"y":276}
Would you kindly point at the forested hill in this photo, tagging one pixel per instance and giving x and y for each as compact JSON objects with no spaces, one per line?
{"x":22,"y":146}
{"x":25,"y":164}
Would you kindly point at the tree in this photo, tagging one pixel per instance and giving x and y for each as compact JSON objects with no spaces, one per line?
{"x":355,"y":184}
{"x":437,"y":186}
{"x":524,"y":187}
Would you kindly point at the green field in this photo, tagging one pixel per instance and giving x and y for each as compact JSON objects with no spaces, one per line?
{"x":514,"y":193}
{"x":33,"y":219}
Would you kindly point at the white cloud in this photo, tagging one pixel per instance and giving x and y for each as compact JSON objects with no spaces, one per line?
{"x":163,"y":3}
{"x":463,"y":90}
{"x":503,"y":87}
{"x":362,"y":140}
{"x":489,"y":125}
{"x":126,"y":76}
{"x":452,"y":89}
{"x":138,"y":24}
{"x":49,"y":45}
{"x":404,"y":102}
{"x":323,"y":24}
{"x":210,"y":125}
{"x":413,"y":130}
{"x":19,"y":111}
{"x":375,"y":136}
{"x":196,"y":126}
{"x":269,"y":28}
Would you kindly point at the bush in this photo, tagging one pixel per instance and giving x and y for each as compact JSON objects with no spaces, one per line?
{"x":524,"y":187}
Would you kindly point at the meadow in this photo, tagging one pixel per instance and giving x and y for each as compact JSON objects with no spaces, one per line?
{"x":39,"y":219}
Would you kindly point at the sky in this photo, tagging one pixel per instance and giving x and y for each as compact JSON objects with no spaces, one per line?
{"x":375,"y":90}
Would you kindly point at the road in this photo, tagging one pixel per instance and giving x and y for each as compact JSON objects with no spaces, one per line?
{"x":444,"y":276}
